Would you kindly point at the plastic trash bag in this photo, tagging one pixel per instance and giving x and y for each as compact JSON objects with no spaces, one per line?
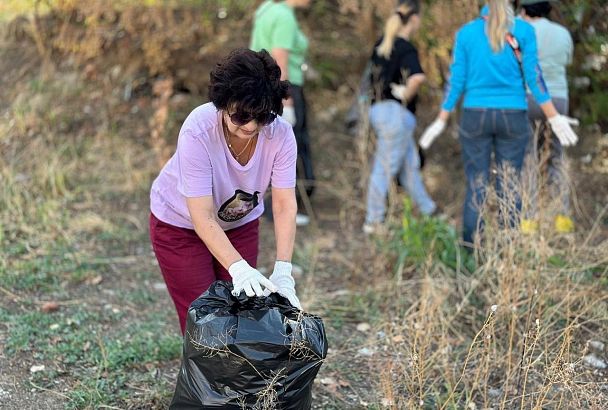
{"x":248,"y":353}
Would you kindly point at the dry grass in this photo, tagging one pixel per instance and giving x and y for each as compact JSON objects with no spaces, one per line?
{"x":513,"y":334}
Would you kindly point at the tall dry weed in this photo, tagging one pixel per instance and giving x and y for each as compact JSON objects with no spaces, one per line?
{"x":514,"y":333}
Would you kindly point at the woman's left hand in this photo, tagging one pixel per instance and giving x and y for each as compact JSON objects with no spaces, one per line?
{"x":284,"y":282}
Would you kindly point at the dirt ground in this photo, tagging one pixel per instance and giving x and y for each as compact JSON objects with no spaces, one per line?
{"x":337,"y":260}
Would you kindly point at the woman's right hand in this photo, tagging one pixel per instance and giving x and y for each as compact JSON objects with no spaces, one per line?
{"x":248,"y":279}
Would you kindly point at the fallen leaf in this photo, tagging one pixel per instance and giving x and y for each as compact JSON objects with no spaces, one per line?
{"x":398,"y":339}
{"x":49,"y":307}
{"x":95,"y":280}
{"x":343,"y":383}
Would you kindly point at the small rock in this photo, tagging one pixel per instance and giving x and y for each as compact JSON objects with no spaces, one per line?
{"x":37,"y":368}
{"x":495,"y":393}
{"x":159,"y":286}
{"x":596,"y":345}
{"x":365,"y":352}
{"x":594,"y":361}
{"x":363,"y":327}
{"x":586,"y":159}
{"x":327,"y":381}
{"x":388,"y":402}
{"x":54,"y":326}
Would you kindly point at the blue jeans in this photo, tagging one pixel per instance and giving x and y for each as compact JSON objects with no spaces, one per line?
{"x":396,"y":155}
{"x":482,"y":132}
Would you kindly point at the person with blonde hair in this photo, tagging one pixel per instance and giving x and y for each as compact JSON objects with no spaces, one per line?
{"x":495,"y":58}
{"x":395,"y":77}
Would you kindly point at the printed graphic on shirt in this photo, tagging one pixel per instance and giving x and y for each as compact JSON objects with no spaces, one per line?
{"x":238,"y":206}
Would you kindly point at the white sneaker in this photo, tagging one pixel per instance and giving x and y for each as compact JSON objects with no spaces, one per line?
{"x":302,"y":220}
{"x":369,"y":229}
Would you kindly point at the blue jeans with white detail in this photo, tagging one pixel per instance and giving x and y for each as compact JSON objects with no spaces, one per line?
{"x":396,"y":155}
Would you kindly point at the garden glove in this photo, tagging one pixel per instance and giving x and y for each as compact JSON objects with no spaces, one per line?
{"x":246,"y":278}
{"x":286,"y":285}
{"x":431,"y":133}
{"x":398,"y":91}
{"x":289,"y":114}
{"x":561,"y":126}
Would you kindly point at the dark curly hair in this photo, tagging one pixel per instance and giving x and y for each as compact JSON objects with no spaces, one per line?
{"x":540,"y":9}
{"x":248,"y":81}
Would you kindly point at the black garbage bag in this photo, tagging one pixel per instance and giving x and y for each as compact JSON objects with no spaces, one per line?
{"x":248,"y":353}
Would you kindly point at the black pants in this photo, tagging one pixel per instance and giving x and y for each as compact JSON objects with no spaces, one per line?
{"x":305,"y":172}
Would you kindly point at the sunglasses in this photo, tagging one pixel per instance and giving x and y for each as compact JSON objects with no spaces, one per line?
{"x":240,"y":118}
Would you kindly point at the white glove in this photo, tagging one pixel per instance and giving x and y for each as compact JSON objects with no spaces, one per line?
{"x":398,"y":91}
{"x":289,"y":114}
{"x":431,"y":133}
{"x":561,"y":126}
{"x":286,"y":286}
{"x":246,"y":278}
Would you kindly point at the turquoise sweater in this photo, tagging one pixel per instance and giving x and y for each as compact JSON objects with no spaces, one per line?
{"x":493,"y":80}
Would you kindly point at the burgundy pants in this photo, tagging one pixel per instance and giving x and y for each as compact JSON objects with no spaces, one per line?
{"x":188,"y":266}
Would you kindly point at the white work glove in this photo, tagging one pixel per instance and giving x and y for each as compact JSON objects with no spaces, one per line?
{"x":398,"y":91}
{"x":245,"y":278}
{"x":286,"y":286}
{"x":561,"y":126}
{"x":431,"y":133}
{"x":289,"y":114}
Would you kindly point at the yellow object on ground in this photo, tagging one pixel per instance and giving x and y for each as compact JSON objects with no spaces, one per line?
{"x":563,"y":224}
{"x":528,"y":226}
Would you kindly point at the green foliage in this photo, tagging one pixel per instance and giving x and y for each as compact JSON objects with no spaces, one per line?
{"x":103,"y":361}
{"x":424,"y":238}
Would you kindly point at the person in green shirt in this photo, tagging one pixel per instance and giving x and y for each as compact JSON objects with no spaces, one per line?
{"x":276,"y":29}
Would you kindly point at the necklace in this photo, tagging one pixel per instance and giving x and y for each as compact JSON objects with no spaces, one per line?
{"x":227,"y":137}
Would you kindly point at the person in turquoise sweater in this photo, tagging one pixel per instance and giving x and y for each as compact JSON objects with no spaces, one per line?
{"x":555,"y":49}
{"x":495,"y":58}
{"x":276,"y":29}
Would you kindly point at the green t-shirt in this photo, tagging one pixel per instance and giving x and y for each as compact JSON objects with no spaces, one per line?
{"x":275,"y":26}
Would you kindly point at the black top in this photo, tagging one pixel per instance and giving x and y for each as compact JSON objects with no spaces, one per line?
{"x":402,"y":64}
